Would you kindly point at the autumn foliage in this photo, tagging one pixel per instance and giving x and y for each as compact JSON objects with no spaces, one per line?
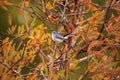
{"x":27,"y":51}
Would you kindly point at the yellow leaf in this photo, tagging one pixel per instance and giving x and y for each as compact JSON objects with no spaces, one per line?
{"x":9,"y":19}
{"x":12,"y":29}
{"x":49,"y":6}
{"x":4,"y":7}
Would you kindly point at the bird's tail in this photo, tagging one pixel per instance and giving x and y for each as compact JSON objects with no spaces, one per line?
{"x":67,"y":36}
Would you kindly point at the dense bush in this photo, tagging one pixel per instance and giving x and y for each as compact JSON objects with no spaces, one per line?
{"x":27,"y":51}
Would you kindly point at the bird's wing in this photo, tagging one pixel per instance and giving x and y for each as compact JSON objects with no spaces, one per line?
{"x":59,"y":37}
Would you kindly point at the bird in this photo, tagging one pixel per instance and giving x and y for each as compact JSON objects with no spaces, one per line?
{"x":58,"y":38}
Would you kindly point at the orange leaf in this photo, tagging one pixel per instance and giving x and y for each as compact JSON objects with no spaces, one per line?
{"x":27,"y":3}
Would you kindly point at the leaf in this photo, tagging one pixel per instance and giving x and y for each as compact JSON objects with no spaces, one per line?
{"x":21,"y":30}
{"x":91,"y":7}
{"x":6,"y":3}
{"x":39,"y":66}
{"x":27,"y":3}
{"x":21,"y":12}
{"x":11,"y":30}
{"x":94,"y":44}
{"x":65,"y":48}
{"x":71,"y":27}
{"x":5,"y":40}
{"x":4,"y":7}
{"x":9,"y":19}
{"x":49,"y":6}
{"x":45,"y":57}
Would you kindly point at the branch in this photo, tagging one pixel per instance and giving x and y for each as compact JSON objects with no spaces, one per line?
{"x":86,"y":73}
{"x":12,"y":70}
{"x":17,"y":60}
{"x":45,"y":57}
{"x":84,"y":58}
{"x":83,"y":49}
{"x":6,"y":34}
{"x":105,"y":19}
